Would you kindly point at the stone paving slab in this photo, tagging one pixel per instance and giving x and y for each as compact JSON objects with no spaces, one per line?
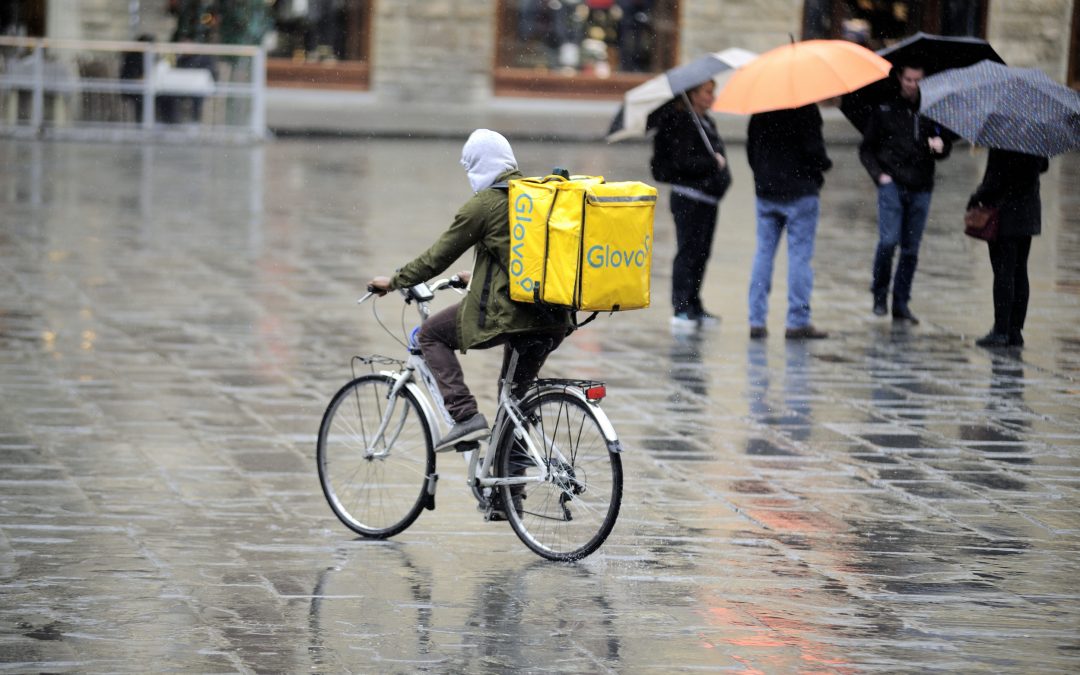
{"x":173,"y":321}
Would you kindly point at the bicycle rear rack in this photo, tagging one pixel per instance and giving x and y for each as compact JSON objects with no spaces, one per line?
{"x":594,"y":390}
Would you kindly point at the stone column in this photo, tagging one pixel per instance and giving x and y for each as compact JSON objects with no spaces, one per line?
{"x":757,"y":25}
{"x":433,"y":51}
{"x":1032,"y":34}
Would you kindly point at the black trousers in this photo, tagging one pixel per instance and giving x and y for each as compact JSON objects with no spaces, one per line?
{"x":1008,"y":257}
{"x":438,"y":340}
{"x":695,"y":224}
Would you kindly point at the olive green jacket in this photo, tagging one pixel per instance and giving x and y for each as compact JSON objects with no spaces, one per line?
{"x":487,"y":311}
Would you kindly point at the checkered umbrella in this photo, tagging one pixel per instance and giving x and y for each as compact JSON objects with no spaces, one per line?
{"x":995,"y":106}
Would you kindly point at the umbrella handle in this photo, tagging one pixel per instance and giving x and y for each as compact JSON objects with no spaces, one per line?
{"x":700,"y":128}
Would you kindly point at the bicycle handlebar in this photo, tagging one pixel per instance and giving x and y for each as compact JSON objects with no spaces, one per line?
{"x":421,"y":292}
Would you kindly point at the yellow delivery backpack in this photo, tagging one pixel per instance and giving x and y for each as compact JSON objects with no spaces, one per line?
{"x":581,"y":243}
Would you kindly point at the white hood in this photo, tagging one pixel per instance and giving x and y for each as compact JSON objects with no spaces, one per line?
{"x":486,"y":155}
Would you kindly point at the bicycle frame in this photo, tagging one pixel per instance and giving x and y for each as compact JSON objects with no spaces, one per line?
{"x":508,"y":414}
{"x":402,"y":379}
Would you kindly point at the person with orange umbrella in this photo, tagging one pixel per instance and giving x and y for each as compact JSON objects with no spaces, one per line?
{"x":786,"y":151}
{"x":800,"y":73}
{"x":899,"y":149}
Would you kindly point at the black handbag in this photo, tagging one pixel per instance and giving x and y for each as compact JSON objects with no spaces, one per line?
{"x":981,"y":222}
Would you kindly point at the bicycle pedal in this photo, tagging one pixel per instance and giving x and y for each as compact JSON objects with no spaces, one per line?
{"x":467,"y":446}
{"x":492,"y":510}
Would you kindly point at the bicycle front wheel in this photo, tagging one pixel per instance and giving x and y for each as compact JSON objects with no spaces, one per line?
{"x":375,"y":481}
{"x":568,"y":515}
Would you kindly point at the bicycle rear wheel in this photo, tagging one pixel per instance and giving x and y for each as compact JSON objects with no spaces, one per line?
{"x":375,"y":486}
{"x":571,"y":513}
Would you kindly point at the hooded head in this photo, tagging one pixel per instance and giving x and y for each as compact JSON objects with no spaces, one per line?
{"x":486,"y":155}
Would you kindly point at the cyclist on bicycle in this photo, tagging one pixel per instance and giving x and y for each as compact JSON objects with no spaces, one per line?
{"x":487,"y":317}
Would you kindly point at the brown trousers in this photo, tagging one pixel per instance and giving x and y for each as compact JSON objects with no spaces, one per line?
{"x":438,"y":342}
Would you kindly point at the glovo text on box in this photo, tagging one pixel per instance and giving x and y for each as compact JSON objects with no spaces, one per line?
{"x":581,"y":243}
{"x":522,"y":210}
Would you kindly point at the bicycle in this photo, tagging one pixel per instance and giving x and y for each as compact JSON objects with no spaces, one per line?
{"x":551,"y":466}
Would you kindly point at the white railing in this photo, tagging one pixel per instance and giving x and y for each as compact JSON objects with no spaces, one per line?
{"x":98,"y":90}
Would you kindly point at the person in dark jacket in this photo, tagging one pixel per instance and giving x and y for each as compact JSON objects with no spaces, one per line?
{"x":787,"y":154}
{"x":487,"y":317}
{"x":132,"y":65}
{"x":688,"y":153}
{"x":1011,"y":184}
{"x":899,"y":150}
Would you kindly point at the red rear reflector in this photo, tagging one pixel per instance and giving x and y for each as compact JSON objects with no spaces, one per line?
{"x":595,"y":393}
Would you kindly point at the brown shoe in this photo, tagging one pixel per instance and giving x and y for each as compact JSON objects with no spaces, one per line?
{"x":807,"y":332}
{"x":758,"y":332}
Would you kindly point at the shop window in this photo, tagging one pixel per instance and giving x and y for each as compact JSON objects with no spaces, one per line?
{"x":582,"y":48}
{"x":310,"y":43}
{"x":22,"y":18}
{"x":319,"y":43}
{"x":879,"y":23}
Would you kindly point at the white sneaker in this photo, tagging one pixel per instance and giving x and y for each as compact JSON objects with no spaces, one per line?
{"x":684,"y":322}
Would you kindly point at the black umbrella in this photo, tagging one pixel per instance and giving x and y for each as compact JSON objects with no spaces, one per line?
{"x":933,"y":53}
{"x":995,"y":106}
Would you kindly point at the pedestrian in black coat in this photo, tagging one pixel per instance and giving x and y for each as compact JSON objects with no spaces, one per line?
{"x":1011,"y":184}
{"x":688,"y":153}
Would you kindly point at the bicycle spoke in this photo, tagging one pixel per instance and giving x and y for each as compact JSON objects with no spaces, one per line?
{"x":571,"y":512}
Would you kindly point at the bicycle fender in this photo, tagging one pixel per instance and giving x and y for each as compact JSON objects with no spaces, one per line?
{"x":425,"y":407}
{"x":601,"y":417}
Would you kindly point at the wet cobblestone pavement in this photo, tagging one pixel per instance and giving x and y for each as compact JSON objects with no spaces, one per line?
{"x":173,"y":321}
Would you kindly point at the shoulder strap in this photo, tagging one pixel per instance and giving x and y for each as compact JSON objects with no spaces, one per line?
{"x":504,"y":185}
{"x":577,"y":324}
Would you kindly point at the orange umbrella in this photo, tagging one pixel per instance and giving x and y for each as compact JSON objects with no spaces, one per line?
{"x":798,"y":74}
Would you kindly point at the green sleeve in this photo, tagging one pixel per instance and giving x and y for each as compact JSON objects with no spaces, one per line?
{"x":463,"y":233}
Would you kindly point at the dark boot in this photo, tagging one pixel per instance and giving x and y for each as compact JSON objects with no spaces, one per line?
{"x":993,"y":340}
{"x":902,"y":313}
{"x":881,"y":307}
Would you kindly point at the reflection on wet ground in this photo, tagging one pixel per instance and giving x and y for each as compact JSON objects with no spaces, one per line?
{"x":173,"y":320}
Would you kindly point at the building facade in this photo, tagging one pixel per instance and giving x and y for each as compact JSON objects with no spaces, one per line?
{"x":471,"y":51}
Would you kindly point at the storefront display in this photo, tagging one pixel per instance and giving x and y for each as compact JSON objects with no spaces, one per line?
{"x":594,"y":38}
{"x":319,"y":43}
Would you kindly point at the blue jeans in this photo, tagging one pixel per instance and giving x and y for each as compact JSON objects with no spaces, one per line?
{"x":901,"y":221}
{"x":800,"y":217}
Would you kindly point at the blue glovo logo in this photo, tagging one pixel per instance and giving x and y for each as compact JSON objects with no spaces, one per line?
{"x":605,"y":255}
{"x":523,"y":208}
